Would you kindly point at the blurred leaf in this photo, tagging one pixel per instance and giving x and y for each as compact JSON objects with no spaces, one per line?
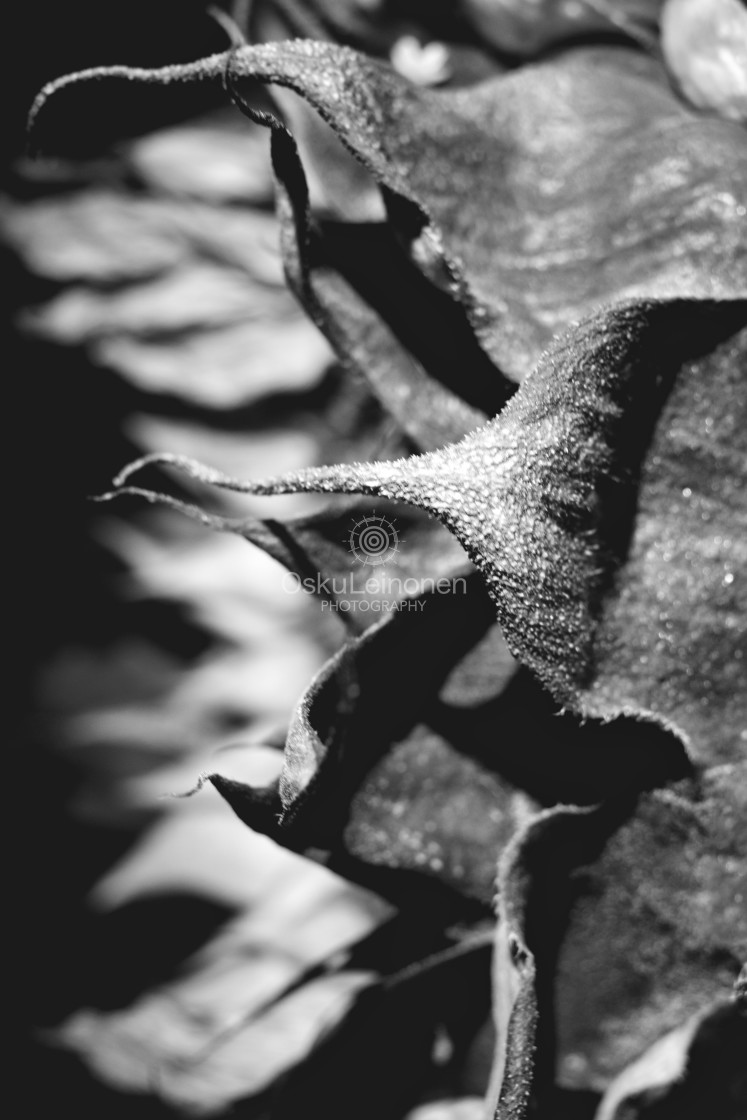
{"x":171,"y":1051}
{"x":94,"y":235}
{"x":211,"y":158}
{"x":181,"y":297}
{"x":140,"y":722}
{"x":186,"y":333}
{"x":399,"y":1018}
{"x":108,"y":236}
{"x":704,"y":43}
{"x":525,"y":29}
{"x":224,"y":368}
{"x":468,"y":1108}
{"x":232,"y":1021}
{"x":695,"y":1070}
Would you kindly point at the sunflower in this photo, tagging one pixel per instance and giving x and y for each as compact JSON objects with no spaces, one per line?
{"x":521,"y":229}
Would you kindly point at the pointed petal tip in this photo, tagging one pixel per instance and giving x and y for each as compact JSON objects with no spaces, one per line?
{"x":153,"y":458}
{"x":154,"y":498}
{"x":258,"y":807}
{"x":210,"y":67}
{"x":178,"y":795}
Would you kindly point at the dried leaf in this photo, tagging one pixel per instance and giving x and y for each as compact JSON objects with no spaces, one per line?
{"x":658,"y":927}
{"x":402,"y":754}
{"x":527,"y":260}
{"x":522,"y":245}
{"x":610,"y":922}
{"x":616,"y":930}
{"x":355,"y":766}
{"x":317,"y":550}
{"x":354,"y":281}
{"x":603,"y":507}
{"x":532,"y":869}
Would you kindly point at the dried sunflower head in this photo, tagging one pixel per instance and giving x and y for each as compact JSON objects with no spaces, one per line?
{"x":540,"y":269}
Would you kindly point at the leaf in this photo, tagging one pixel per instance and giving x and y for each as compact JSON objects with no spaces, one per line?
{"x":416,"y":381}
{"x":402,"y":755}
{"x":160,"y":1048}
{"x":399,"y":1018}
{"x":94,"y":235}
{"x":317,"y":550}
{"x":485,"y":186}
{"x":603,"y":507}
{"x":523,"y":265}
{"x":705,"y":46}
{"x":224,"y":368}
{"x":428,"y":809}
{"x":616,"y":928}
{"x":694,"y":1070}
{"x":529,"y":929}
{"x":182,"y":298}
{"x":380,"y":29}
{"x":209,"y":158}
{"x":358,"y":762}
{"x":526,"y":29}
{"x":319,"y":266}
{"x":241,"y":1011}
{"x":359,"y":309}
{"x":657,"y":926}
{"x":196,"y":297}
{"x":108,"y":236}
{"x":466,"y":1108}
{"x":385,"y":321}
